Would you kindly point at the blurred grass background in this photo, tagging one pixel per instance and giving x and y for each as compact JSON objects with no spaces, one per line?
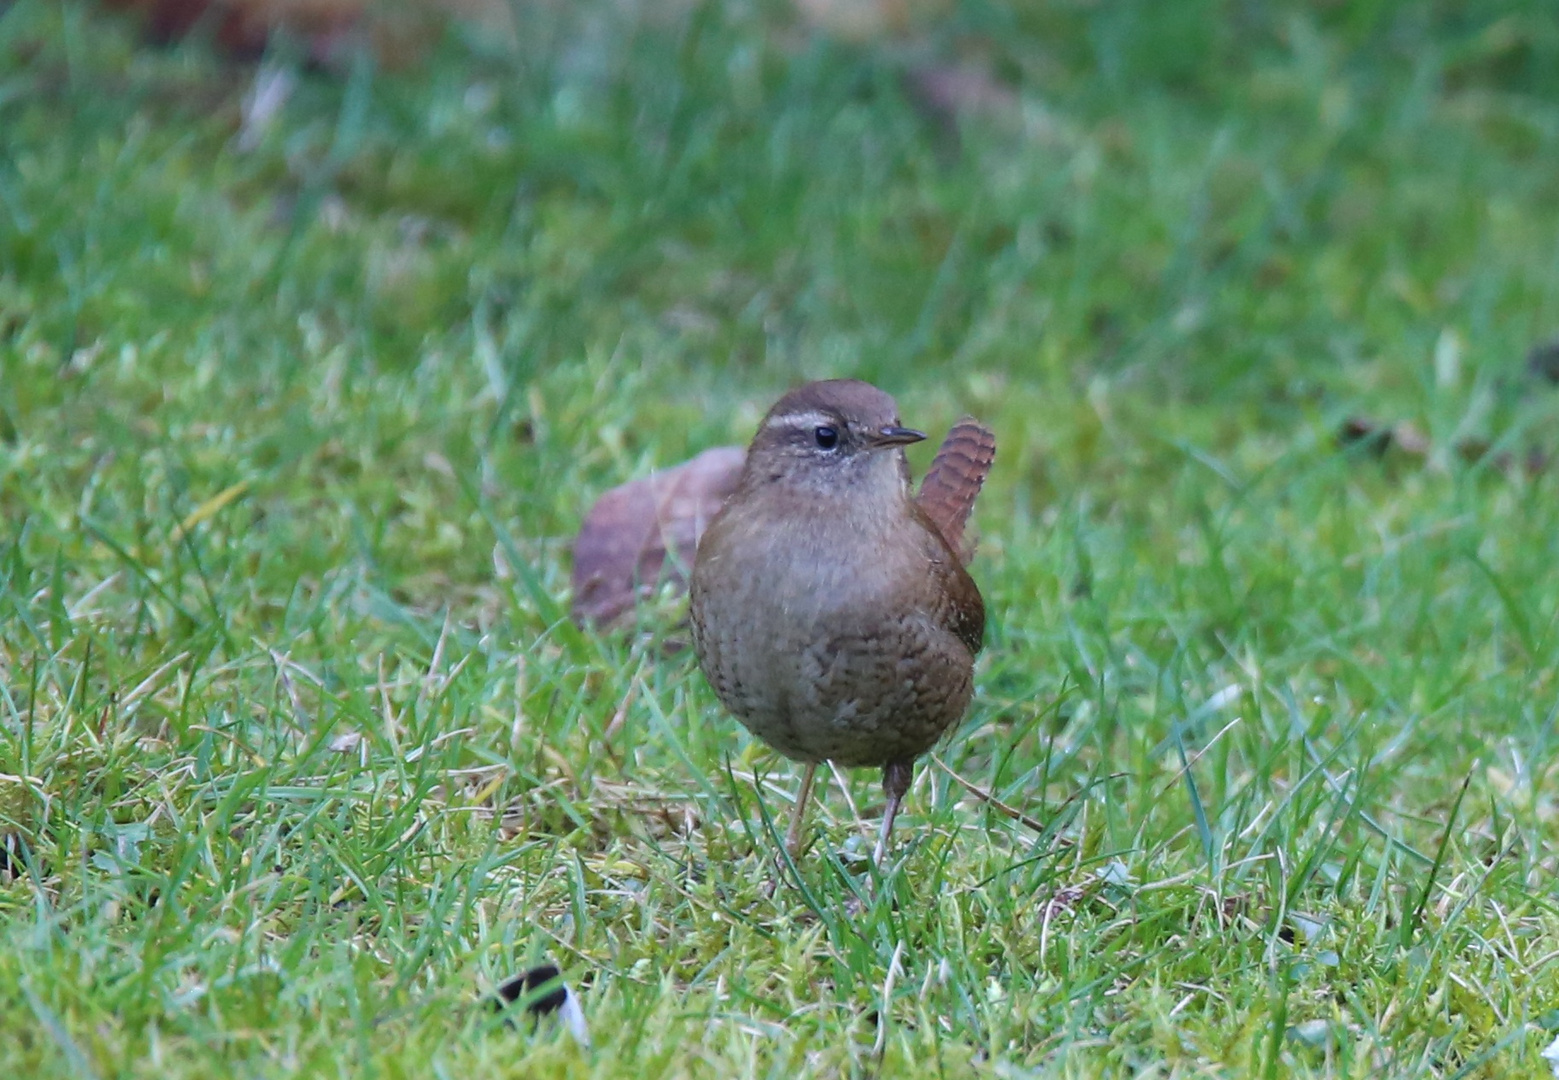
{"x":298,"y":415}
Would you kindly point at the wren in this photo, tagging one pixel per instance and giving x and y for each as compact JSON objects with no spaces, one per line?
{"x":831,"y":612}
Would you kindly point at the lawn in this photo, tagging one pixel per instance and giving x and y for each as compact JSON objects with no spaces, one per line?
{"x":301,"y":756}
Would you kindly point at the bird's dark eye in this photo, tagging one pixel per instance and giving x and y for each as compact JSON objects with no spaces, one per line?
{"x":827,"y":438}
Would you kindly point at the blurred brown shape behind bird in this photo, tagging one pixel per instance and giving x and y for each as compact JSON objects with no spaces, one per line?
{"x":643,"y":533}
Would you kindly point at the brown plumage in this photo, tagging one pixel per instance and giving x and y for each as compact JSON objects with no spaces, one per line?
{"x":830,"y":612}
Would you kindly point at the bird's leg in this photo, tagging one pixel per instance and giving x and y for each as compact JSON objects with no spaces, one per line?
{"x":799,"y":814}
{"x":896,"y":776}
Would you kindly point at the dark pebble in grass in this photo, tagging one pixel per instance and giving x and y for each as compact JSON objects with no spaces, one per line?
{"x":1367,"y":434}
{"x":527,"y":983}
{"x":1543,"y":361}
{"x":543,"y":992}
{"x":1377,"y":438}
{"x":10,"y":865}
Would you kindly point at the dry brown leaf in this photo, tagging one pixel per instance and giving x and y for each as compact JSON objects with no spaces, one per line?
{"x":1379,"y":438}
{"x":869,"y":20}
{"x":622,"y":548}
{"x":397,"y":30}
{"x":948,"y":92}
{"x":242,"y":28}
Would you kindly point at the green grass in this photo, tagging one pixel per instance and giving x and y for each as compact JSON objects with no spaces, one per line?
{"x":299,"y":755}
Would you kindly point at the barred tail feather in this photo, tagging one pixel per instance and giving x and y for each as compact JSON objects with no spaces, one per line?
{"x":954,"y":480}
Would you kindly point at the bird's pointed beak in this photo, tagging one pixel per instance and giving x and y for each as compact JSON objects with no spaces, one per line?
{"x":896,"y":436}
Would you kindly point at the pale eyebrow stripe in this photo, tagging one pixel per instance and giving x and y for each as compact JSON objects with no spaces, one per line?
{"x":800,"y":420}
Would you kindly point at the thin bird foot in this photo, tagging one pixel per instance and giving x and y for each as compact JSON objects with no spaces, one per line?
{"x":799,"y":814}
{"x":896,"y":776}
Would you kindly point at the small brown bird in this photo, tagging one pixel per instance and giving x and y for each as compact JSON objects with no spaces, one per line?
{"x":831,"y":611}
